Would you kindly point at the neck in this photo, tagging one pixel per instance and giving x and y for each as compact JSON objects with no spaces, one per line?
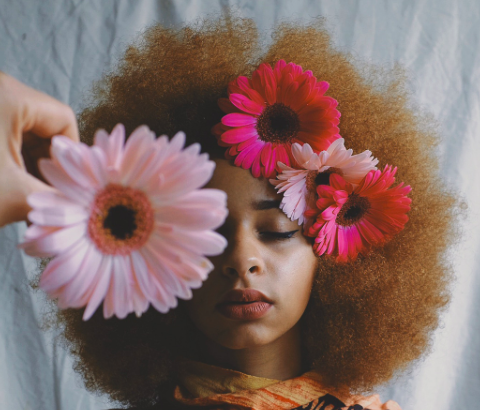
{"x":280,"y":359}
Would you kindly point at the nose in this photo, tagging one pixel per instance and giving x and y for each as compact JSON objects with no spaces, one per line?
{"x":242,"y":257}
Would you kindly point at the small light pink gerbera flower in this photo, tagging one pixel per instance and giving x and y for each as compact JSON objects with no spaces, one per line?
{"x":299,"y":185}
{"x":128,"y":224}
{"x":352,"y":220}
{"x":269,"y":112}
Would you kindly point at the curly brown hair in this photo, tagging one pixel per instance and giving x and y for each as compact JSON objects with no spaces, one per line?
{"x":366,"y":320}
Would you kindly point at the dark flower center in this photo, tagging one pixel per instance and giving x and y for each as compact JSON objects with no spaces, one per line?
{"x":323,"y":178}
{"x":278,"y":123}
{"x":353,"y":210}
{"x":315,"y":178}
{"x":120,"y":221}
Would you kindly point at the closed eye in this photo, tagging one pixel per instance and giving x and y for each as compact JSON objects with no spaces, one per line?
{"x":273,"y":235}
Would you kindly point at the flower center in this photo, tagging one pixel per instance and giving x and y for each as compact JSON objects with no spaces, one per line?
{"x":315,"y":178}
{"x":121,"y":220}
{"x":278,"y":123}
{"x":353,"y":210}
{"x":323,"y":178}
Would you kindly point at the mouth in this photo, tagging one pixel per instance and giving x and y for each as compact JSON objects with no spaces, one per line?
{"x":244,"y":296}
{"x":244,"y":304}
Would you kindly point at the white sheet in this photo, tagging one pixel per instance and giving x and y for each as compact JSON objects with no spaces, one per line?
{"x":60,"y":47}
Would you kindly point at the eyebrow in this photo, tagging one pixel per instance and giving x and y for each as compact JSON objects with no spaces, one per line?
{"x":266,"y":204}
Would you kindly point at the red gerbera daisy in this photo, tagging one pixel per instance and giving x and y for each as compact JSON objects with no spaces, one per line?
{"x":269,"y":112}
{"x":351,"y":220}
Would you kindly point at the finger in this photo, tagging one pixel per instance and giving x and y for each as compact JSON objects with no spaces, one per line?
{"x":23,"y":111}
{"x":35,"y":111}
{"x":47,"y":117}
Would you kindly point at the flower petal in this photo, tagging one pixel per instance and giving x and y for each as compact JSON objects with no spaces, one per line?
{"x":60,"y":180}
{"x":99,"y":289}
{"x":245,"y":104}
{"x":63,"y":267}
{"x":58,"y":216}
{"x":56,"y":242}
{"x":237,"y":135}
{"x":75,"y":293}
{"x":238,"y":120}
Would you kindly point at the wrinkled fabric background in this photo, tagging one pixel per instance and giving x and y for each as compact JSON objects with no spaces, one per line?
{"x":61,"y":47}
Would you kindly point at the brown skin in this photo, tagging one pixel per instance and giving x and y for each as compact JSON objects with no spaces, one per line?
{"x":282,"y":269}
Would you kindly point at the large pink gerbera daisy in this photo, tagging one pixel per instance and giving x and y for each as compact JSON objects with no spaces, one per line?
{"x":352,"y":220}
{"x":128,"y":224}
{"x":299,"y":185}
{"x":271,"y":111}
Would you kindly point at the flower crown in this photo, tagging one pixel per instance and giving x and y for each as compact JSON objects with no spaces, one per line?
{"x":129,"y":225}
{"x":279,"y":123}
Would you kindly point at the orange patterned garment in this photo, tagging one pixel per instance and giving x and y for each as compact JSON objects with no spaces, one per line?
{"x":216,"y":388}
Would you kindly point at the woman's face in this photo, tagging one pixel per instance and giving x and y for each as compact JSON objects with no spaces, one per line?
{"x":266,"y":252}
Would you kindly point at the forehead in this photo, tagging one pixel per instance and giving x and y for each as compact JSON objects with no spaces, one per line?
{"x":244,"y":191}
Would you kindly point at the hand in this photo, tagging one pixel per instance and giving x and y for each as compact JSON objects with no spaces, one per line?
{"x":28,"y":120}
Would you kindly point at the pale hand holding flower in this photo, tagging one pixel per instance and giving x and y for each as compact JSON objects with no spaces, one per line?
{"x":28,"y":118}
{"x":128,"y":224}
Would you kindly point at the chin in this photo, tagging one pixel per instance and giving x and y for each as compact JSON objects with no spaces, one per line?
{"x":244,"y":337}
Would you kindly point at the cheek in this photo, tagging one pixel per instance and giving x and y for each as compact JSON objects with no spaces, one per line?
{"x":202,"y":296}
{"x":201,"y":307}
{"x":295,"y":275}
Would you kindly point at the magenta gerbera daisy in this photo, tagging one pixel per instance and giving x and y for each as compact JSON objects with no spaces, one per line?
{"x":269,"y":112}
{"x":127,"y":224}
{"x":299,"y":185}
{"x":349,"y":220}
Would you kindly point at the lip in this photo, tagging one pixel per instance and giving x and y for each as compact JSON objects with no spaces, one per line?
{"x":244,"y":295}
{"x":244,"y":304}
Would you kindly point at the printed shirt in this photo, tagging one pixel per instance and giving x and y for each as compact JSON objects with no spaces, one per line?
{"x":215,"y":388}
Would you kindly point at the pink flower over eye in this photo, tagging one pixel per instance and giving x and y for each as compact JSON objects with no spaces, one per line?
{"x":269,"y":112}
{"x":128,"y":224}
{"x":349,"y":221}
{"x":299,"y":184}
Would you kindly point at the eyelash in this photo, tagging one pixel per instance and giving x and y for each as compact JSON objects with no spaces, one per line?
{"x":279,"y":236}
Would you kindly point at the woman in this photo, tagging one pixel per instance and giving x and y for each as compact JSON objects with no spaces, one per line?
{"x":318,"y":330}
